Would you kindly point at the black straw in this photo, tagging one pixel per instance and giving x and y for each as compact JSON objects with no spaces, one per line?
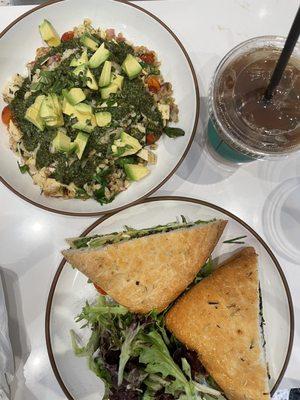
{"x":284,"y":56}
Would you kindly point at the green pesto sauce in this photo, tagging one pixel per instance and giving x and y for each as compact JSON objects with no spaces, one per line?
{"x":75,"y":172}
{"x":118,"y":51}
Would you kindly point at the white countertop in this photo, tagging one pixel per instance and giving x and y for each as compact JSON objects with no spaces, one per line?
{"x":264,"y":194}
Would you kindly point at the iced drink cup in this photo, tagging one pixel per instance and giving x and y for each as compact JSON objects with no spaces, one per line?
{"x":243,"y":126}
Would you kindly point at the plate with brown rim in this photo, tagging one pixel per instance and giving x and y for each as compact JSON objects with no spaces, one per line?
{"x":139,"y":27}
{"x":70,"y":290}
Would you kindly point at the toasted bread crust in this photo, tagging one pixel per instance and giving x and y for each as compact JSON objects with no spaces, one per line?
{"x":150,"y":272}
{"x":219,"y":319}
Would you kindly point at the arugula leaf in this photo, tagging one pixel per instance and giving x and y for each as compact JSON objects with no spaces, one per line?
{"x":102,"y":312}
{"x":126,"y":350}
{"x":155,"y":354}
{"x":186,"y":368}
{"x":207,"y":268}
{"x":160,"y":323}
{"x":174,"y":132}
{"x":23,"y":168}
{"x":96,"y":365}
{"x":90,"y":347}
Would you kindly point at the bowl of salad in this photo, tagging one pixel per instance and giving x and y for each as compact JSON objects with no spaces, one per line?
{"x":103,"y":111}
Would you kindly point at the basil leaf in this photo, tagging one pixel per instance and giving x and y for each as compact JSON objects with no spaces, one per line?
{"x":174,"y":132}
{"x":23,"y":168}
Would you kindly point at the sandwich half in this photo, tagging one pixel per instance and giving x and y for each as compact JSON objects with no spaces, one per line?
{"x":219,"y":318}
{"x":146,"y":269}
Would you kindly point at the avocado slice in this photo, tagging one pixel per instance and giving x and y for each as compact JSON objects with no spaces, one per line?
{"x":49,"y":34}
{"x":74,"y":95}
{"x":80,"y":70}
{"x":103,"y":118}
{"x":46,"y":110}
{"x":108,"y":90}
{"x":62,"y":142}
{"x":136,"y":172}
{"x":82,"y":60}
{"x":105,"y":76}
{"x":84,"y":108}
{"x":84,"y":114}
{"x":33,"y":113}
{"x":89,"y":41}
{"x":67,"y":108}
{"x":119,"y":79}
{"x":86,"y":126}
{"x":131,"y":66}
{"x":86,"y":120}
{"x":113,"y":87}
{"x":91,"y":81}
{"x":126,"y":145}
{"x":80,"y":141}
{"x":99,"y":56}
{"x":130,"y":141}
{"x":83,"y":70}
{"x":147,"y":155}
{"x":51,"y":111}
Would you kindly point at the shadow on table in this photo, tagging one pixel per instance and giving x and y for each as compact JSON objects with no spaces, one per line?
{"x":201,"y":166}
{"x":19,"y":340}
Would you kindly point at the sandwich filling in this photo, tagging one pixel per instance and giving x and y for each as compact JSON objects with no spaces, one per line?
{"x":129,"y":233}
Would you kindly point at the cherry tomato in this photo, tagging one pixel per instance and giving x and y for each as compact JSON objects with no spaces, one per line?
{"x":153,"y":84}
{"x":151,"y":138}
{"x":6,"y":115}
{"x":67,"y":36}
{"x":148,"y":58}
{"x":100,"y":290}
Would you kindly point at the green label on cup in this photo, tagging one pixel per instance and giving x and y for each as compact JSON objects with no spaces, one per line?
{"x":223,"y":149}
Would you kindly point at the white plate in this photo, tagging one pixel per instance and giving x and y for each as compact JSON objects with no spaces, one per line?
{"x":140,"y":27}
{"x":70,"y":290}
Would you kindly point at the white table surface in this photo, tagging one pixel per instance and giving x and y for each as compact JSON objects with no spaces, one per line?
{"x":265,"y":194}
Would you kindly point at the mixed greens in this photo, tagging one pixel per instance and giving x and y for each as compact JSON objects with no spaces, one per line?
{"x":86,"y":118}
{"x":137,"y":358}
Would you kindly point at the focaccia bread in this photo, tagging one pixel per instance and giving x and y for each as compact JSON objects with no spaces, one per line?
{"x":150,"y":272}
{"x":219,"y":318}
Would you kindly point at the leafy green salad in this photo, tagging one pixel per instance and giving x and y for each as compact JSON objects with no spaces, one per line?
{"x":137,"y":358}
{"x":86,"y":118}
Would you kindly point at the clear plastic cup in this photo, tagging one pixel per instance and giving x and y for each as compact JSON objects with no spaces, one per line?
{"x":228,"y":133}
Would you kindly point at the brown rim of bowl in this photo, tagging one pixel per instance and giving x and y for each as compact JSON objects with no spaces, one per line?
{"x":184,"y":199}
{"x":98,"y":213}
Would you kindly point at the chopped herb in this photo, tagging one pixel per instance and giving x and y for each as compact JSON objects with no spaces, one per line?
{"x":236,"y":240}
{"x":126,"y":160}
{"x":81,"y":194}
{"x":184,"y":221}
